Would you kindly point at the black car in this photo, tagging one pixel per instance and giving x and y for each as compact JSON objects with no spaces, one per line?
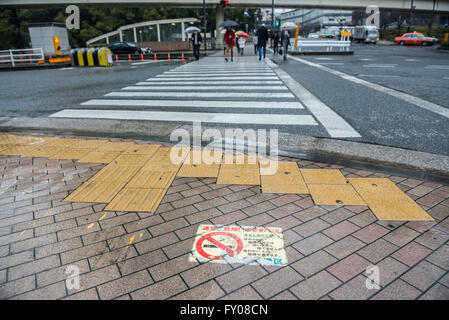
{"x":127,"y":47}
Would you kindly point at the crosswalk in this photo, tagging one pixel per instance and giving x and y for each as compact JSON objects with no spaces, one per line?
{"x":245,"y":92}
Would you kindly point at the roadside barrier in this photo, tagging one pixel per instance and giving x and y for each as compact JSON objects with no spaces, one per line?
{"x":155,"y":57}
{"x":169,"y":56}
{"x":92,"y":57}
{"x":129,"y":58}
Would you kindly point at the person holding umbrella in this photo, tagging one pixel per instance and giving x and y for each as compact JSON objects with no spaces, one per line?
{"x":229,"y":38}
{"x":262,"y":38}
{"x":196,"y":43}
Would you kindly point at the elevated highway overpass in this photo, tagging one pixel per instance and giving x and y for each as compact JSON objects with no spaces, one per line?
{"x":420,"y":5}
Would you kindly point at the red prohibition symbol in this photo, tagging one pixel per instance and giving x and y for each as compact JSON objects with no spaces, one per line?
{"x":209,"y":237}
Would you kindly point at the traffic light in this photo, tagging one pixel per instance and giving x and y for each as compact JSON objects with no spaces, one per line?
{"x":277,"y":23}
{"x":224,"y":3}
{"x":57,"y":45}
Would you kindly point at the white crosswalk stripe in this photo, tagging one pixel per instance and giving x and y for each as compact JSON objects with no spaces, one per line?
{"x":210,"y":91}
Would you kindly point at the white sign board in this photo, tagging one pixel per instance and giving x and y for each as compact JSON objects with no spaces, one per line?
{"x":239,"y":244}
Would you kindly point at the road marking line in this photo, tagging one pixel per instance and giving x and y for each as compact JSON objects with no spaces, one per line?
{"x":332,"y":63}
{"x":267,"y":119}
{"x":217,"y":78}
{"x":201,"y":82}
{"x":335,"y":125}
{"x":380,"y":65}
{"x":206,"y":88}
{"x":378,"y":75}
{"x":203,"y":94}
{"x":397,"y":94}
{"x":437,"y":67}
{"x":324,"y":58}
{"x":446,"y":78}
{"x":196,"y":104}
{"x":214,"y":74}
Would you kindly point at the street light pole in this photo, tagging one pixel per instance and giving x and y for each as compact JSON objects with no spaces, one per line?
{"x":272,"y":14}
{"x":412,"y":8}
{"x":205,"y":26}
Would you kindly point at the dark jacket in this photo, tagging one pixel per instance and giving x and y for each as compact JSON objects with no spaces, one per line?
{"x":276,"y":39}
{"x":287,"y":39}
{"x":229,"y":38}
{"x":200,"y":39}
{"x":262,"y":36}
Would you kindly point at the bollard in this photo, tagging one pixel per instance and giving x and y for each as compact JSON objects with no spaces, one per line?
{"x":169,"y":56}
{"x":446,"y":37}
{"x":129,"y":57}
{"x":141,"y":57}
{"x":155,"y":57}
{"x":182,"y":57}
{"x":116,"y":58}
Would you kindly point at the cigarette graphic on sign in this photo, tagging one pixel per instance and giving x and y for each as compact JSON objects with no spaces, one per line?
{"x":239,"y":244}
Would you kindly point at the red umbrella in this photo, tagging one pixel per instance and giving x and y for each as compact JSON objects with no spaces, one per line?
{"x":243,"y":35}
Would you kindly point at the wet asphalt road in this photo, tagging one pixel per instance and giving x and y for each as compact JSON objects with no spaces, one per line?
{"x":378,"y":117}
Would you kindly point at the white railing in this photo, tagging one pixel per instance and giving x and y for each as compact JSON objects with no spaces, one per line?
{"x":14,"y":56}
{"x":328,"y":45}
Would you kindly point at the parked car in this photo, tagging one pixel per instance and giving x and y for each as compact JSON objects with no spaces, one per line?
{"x":415,"y":38}
{"x":128,"y":47}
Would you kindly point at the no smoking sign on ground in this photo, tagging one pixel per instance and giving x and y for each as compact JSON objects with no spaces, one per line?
{"x":239,"y":244}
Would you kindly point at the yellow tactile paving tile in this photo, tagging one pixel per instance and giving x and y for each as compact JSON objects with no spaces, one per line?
{"x":243,"y":176}
{"x":15,"y":149}
{"x":29,"y":140}
{"x":131,"y":160}
{"x":70,"y":153}
{"x":133,"y":199}
{"x":240,"y":161}
{"x":287,"y":179}
{"x":199,"y":171}
{"x":323,"y":176}
{"x":42,"y":152}
{"x":387,"y":201}
{"x":103,"y":186}
{"x":393,"y":209}
{"x":100,"y":157}
{"x":167,"y":159}
{"x":152,"y":179}
{"x":61,"y":142}
{"x":115,"y":146}
{"x":148,"y":149}
{"x":332,"y":194}
{"x":88,"y":144}
{"x":209,"y":157}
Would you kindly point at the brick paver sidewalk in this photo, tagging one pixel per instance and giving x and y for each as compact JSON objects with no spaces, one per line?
{"x":328,"y":247}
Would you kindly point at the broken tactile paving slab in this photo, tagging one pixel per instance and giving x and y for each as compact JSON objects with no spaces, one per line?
{"x":323,"y":176}
{"x":242,"y":176}
{"x":332,"y":194}
{"x":387,"y":201}
{"x":135,"y":199}
{"x":286,"y":179}
{"x":239,"y":244}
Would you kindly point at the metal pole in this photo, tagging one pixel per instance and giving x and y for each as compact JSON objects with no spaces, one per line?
{"x":205,"y":26}
{"x":272,"y":15}
{"x":411,"y":16}
{"x":12,"y":57}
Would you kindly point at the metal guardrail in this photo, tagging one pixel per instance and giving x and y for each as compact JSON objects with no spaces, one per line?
{"x":328,"y":45}
{"x":13,"y":56}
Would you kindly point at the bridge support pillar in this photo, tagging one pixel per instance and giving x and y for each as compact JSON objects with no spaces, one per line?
{"x":219,"y":18}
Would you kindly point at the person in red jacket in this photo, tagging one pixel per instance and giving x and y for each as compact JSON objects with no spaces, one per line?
{"x":229,"y":38}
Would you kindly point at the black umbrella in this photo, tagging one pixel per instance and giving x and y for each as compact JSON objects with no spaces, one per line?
{"x":228,"y":23}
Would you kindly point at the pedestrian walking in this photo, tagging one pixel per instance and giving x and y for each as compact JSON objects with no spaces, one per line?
{"x":276,"y":43}
{"x":196,"y":43}
{"x":255,"y":42}
{"x":285,"y":41}
{"x":229,"y":37}
{"x":262,"y":38}
{"x":241,"y":43}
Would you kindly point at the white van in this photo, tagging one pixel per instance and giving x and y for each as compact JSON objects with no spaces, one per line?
{"x":366,"y":34}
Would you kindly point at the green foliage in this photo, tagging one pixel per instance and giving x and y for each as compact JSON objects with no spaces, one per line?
{"x":97,"y":21}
